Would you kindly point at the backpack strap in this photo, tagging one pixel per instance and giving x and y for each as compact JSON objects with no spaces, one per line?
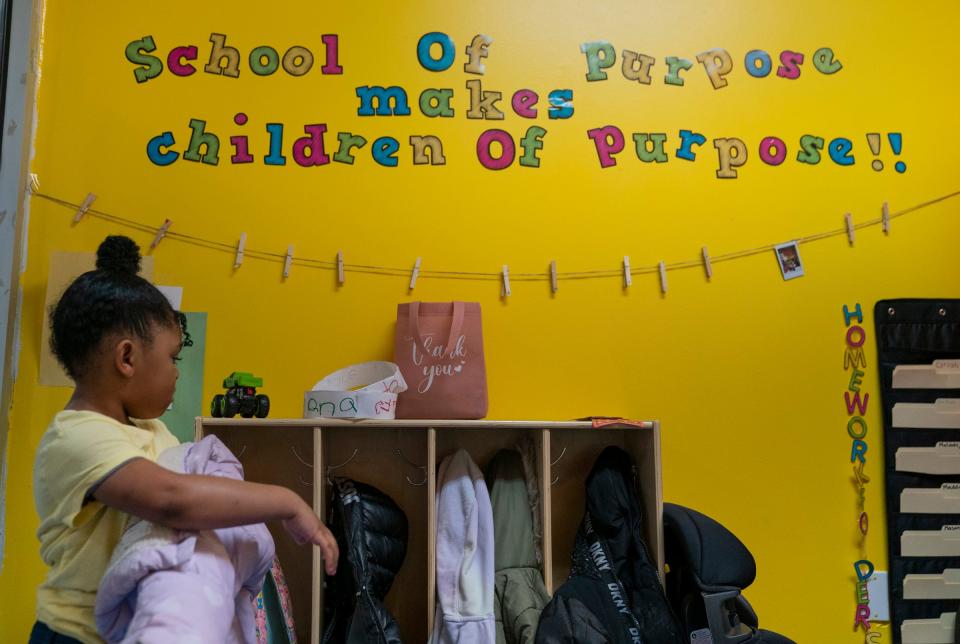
{"x":616,"y":593}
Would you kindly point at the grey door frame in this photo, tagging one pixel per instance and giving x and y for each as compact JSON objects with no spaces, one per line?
{"x":20,"y":43}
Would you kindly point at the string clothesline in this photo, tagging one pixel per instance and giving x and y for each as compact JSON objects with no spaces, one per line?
{"x":392,"y":271}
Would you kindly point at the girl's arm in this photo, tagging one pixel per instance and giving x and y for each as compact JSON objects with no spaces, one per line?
{"x":193,"y":502}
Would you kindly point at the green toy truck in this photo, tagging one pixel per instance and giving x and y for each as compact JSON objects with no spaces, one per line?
{"x":241,"y":397}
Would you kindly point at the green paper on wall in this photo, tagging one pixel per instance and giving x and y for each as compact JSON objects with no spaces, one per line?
{"x":188,"y":399}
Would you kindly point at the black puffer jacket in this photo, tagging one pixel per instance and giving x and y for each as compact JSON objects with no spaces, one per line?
{"x":593,"y":607}
{"x":371,"y":532}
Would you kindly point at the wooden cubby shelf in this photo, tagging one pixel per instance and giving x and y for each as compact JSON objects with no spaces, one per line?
{"x":400,"y":457}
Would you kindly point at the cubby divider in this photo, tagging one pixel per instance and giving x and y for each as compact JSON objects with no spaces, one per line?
{"x":400,"y":457}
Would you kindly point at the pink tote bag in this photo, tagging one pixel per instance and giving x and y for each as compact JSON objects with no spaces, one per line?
{"x":439,"y":348}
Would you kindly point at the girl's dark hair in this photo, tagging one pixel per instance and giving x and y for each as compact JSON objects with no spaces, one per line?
{"x":111,"y":298}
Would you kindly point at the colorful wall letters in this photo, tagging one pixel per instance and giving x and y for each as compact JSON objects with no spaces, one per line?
{"x":496,"y":149}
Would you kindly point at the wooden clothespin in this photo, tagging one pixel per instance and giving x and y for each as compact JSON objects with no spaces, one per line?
{"x":161,"y":233}
{"x":84,"y":207}
{"x":414,"y":273}
{"x":848,"y":218}
{"x":663,"y":278}
{"x":340,"y":275}
{"x":554,"y":282}
{"x":240,"y":246}
{"x":706,"y":263}
{"x":885,"y":218}
{"x":287,"y":262}
{"x":505,"y":288}
{"x":627,"y":277}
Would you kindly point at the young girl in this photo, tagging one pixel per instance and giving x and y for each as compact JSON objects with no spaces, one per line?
{"x":119,"y":339}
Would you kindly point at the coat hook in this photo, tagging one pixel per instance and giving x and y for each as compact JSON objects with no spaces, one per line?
{"x":553,"y":463}
{"x":400,"y":455}
{"x":236,"y":455}
{"x":293,"y":449}
{"x":421,"y":483}
{"x":297,"y":454}
{"x":331,"y":468}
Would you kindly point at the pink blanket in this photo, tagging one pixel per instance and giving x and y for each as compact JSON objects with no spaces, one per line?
{"x":165,"y":585}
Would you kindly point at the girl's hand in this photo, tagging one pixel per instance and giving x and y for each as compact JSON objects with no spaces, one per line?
{"x":306,"y":527}
{"x":192,"y":502}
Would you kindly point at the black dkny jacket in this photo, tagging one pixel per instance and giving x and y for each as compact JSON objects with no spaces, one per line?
{"x":613,"y":595}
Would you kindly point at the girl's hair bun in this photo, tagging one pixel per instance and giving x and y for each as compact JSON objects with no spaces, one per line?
{"x":120,"y":255}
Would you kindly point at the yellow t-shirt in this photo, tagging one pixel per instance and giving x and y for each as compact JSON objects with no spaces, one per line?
{"x":77,"y":533}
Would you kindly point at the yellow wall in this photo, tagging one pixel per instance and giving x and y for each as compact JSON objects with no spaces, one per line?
{"x":745,"y":371}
